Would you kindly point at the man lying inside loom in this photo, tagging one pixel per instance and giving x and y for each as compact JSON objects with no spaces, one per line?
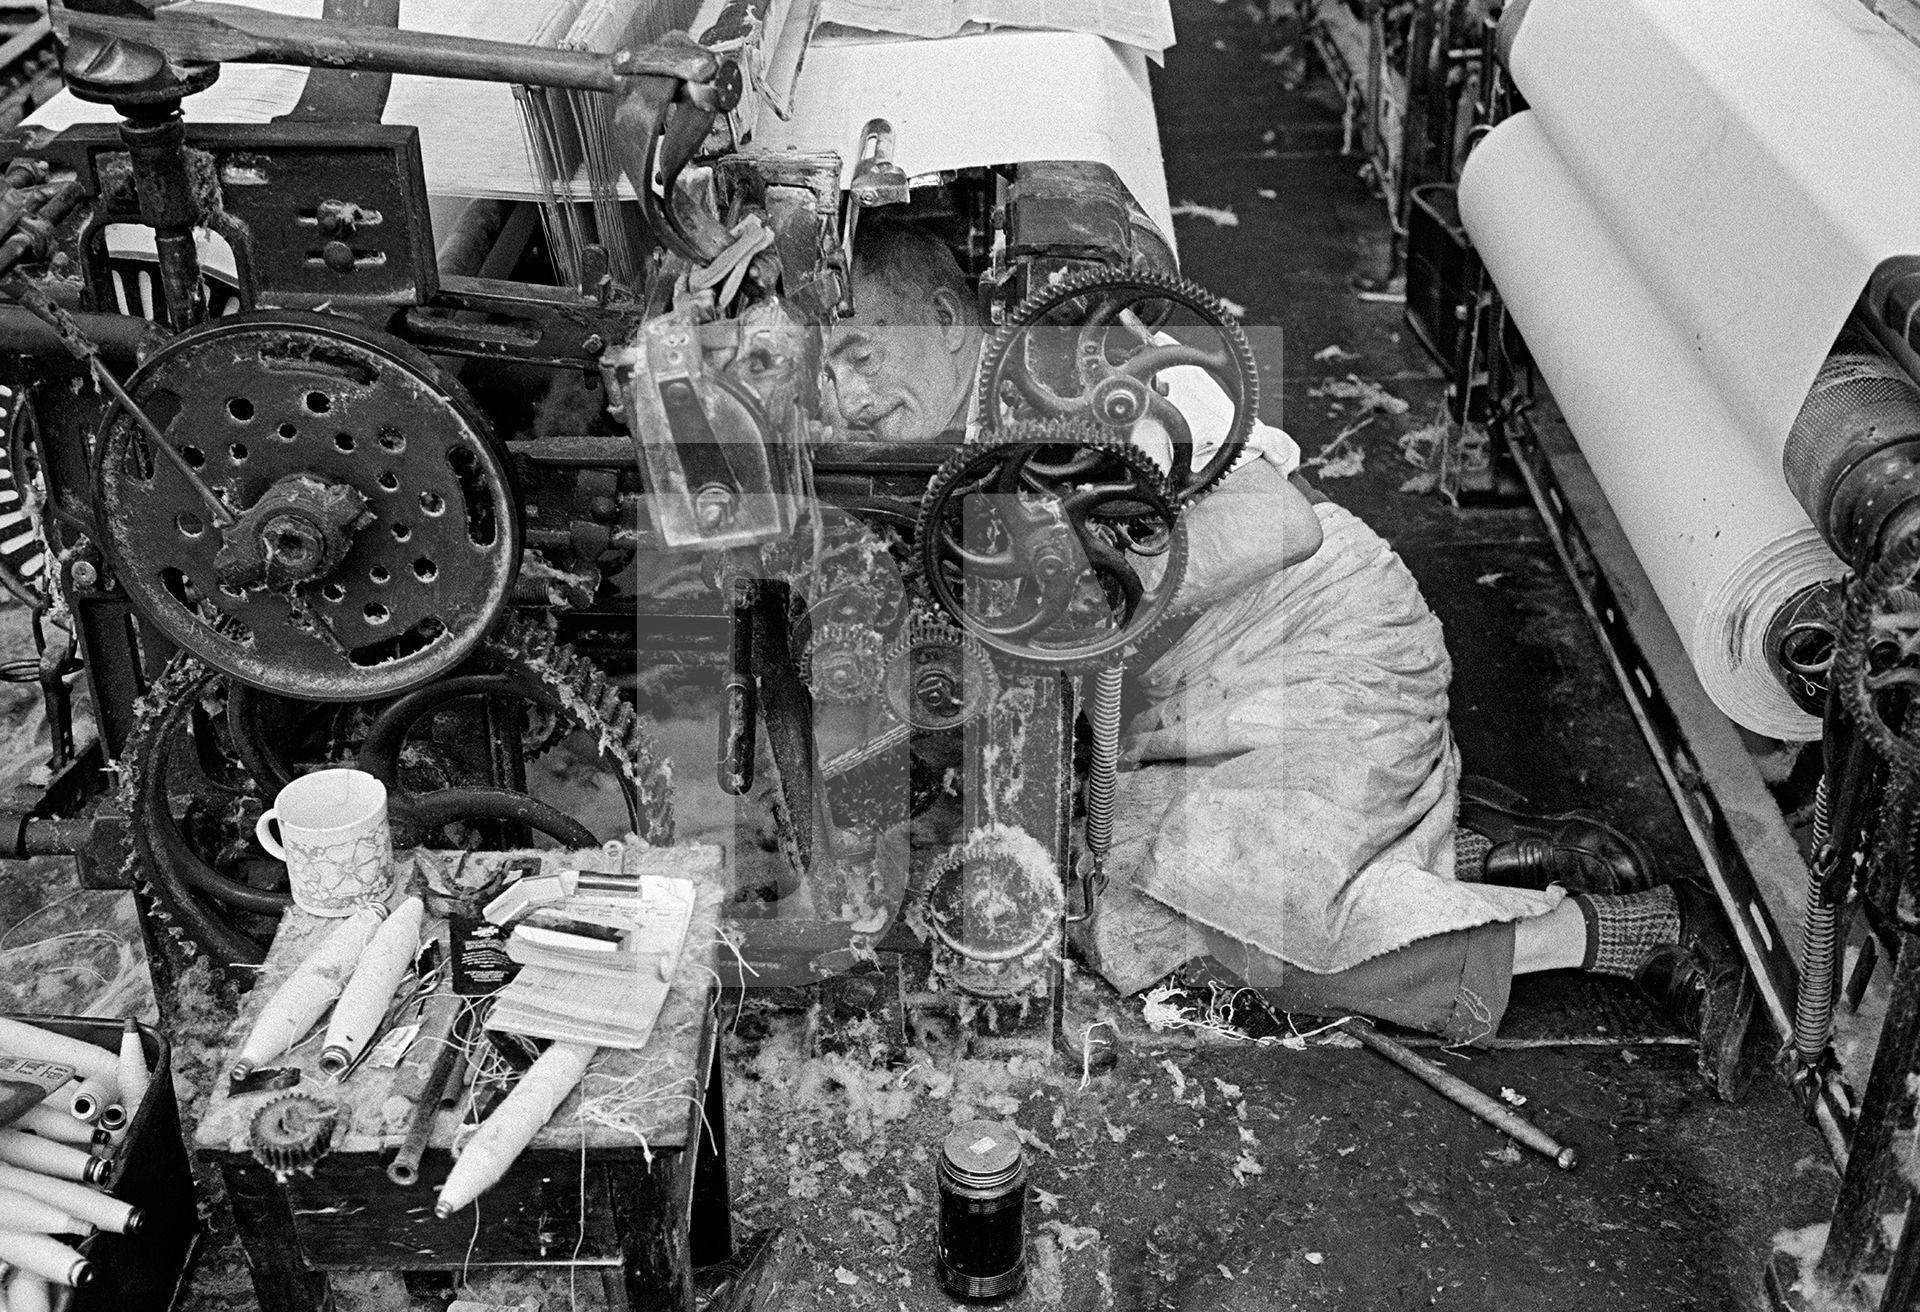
{"x":1296,"y":819}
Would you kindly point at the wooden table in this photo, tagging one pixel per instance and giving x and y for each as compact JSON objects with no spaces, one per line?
{"x":654,"y":1206}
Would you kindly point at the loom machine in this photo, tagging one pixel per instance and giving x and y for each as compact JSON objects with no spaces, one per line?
{"x":1731,"y":470}
{"x":294,"y":509}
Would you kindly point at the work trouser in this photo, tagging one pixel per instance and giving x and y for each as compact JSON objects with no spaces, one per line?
{"x":1453,"y":984}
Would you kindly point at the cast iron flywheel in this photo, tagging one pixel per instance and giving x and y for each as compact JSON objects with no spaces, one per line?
{"x":334,"y":522}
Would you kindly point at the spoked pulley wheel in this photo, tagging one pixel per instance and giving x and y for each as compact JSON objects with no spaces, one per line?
{"x":1148,"y":354}
{"x":1056,"y":546}
{"x":208,"y":755}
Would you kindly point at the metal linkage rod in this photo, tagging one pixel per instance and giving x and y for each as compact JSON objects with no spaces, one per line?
{"x":194,"y":31}
{"x":1461,"y":1094}
{"x":43,"y":307}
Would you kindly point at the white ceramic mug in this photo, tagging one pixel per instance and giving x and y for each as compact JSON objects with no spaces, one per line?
{"x":334,"y":839}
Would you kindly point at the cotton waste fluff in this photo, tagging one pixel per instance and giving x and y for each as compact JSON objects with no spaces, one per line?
{"x":1679,"y":224}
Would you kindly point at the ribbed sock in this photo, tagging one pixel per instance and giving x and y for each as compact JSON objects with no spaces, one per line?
{"x":1470,"y":855}
{"x":1622,"y":928}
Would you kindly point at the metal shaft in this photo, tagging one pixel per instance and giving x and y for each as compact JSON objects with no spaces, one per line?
{"x":1494,"y":1112}
{"x":439,"y":1029}
{"x":235,"y":34}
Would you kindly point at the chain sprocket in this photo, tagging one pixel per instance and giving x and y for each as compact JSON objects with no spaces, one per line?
{"x":218,"y":896}
{"x":1878,"y":655}
{"x":374,"y":526}
{"x":1095,"y":347}
{"x":1034,"y":544}
{"x":992,"y":913}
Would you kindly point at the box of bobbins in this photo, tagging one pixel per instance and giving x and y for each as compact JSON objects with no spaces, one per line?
{"x":97,"y":1205}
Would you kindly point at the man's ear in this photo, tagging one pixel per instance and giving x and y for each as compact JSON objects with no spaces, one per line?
{"x":949,"y":315}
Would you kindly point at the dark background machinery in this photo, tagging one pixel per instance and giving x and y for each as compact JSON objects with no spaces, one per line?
{"x":374,"y":493}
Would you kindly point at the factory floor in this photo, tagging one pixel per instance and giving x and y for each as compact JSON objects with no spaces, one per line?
{"x":1229,"y":1177}
{"x":1205,"y":1172}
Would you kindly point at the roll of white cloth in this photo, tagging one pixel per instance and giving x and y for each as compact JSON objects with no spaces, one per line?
{"x":1700,"y":496}
{"x":1742,"y":153}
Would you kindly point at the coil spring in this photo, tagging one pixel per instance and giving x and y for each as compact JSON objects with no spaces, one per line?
{"x":1813,"y":1010}
{"x":1104,"y":716}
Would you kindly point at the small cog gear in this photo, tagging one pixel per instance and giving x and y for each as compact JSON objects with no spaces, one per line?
{"x":937,"y":677}
{"x":843,"y":663}
{"x":292,"y":1132}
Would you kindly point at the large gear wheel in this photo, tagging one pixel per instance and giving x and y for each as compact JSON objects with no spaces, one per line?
{"x":1106,"y":346}
{"x":336,"y":522}
{"x":206,"y":756}
{"x":1038,"y":545}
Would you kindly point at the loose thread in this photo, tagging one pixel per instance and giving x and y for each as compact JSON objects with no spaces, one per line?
{"x":739,"y":958}
{"x":1216,"y":1019}
{"x":474,"y":1239}
{"x":580,"y":1233}
{"x":1086,"y":1049}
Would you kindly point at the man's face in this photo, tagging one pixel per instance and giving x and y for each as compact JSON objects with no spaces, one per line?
{"x":902,"y":368}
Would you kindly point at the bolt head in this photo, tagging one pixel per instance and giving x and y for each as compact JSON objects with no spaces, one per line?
{"x":713,"y":506}
{"x":84,"y":574}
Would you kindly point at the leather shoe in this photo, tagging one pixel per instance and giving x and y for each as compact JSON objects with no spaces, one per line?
{"x":1574,"y":849}
{"x":1702,"y":982}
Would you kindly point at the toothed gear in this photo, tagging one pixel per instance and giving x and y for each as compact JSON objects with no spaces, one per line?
{"x":937,"y":677}
{"x":1049,"y":572}
{"x":1086,"y":348}
{"x":992,"y":913}
{"x":192,"y":892}
{"x":292,"y":1132}
{"x":843,"y":663}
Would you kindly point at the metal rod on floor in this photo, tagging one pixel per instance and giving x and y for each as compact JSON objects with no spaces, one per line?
{"x":1460,"y":1093}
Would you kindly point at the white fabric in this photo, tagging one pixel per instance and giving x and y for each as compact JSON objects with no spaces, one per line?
{"x":1704,"y":504}
{"x":1003,"y":97}
{"x":1301,"y":789}
{"x":1680,"y":224}
{"x":1208,"y":410}
{"x":471,"y":142}
{"x":1753,"y":157}
{"x":995,"y":98}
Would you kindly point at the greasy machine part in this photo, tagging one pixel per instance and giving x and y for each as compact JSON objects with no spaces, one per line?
{"x":207,"y":756}
{"x":1038,"y":545}
{"x":1852,"y":457}
{"x":292,"y":1132}
{"x":992,"y":914}
{"x":937,"y":677}
{"x":376,"y":528}
{"x":1095,"y":347}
